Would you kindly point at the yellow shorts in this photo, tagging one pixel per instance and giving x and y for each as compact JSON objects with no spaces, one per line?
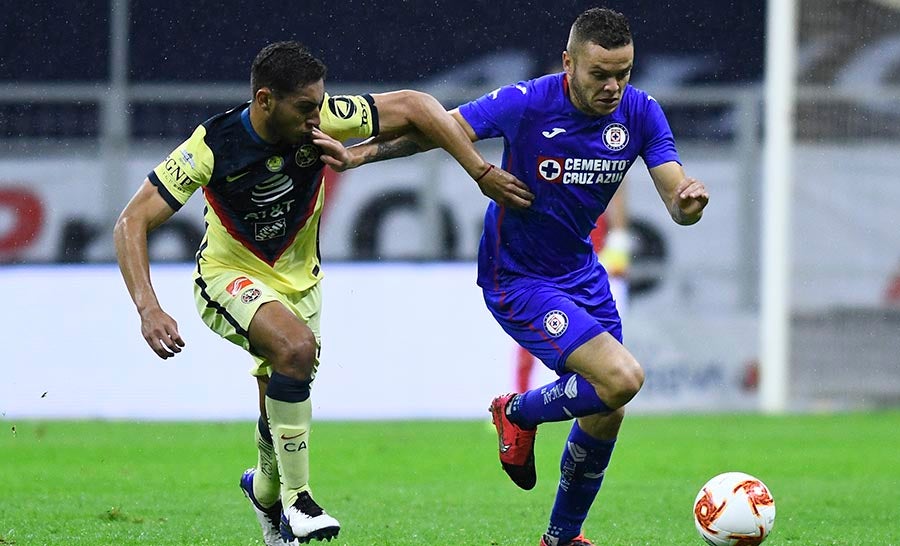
{"x":228,"y":299}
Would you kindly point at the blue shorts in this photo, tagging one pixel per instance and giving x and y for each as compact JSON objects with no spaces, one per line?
{"x":551,"y":321}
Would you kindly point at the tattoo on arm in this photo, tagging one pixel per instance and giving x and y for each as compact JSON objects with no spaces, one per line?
{"x":398,"y":147}
{"x":386,"y":146}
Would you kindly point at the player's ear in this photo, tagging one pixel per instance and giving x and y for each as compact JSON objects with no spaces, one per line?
{"x":263,"y":98}
{"x":568,"y":63}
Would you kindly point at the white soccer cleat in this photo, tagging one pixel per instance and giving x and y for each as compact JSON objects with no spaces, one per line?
{"x":306,"y":521}
{"x":269,"y":518}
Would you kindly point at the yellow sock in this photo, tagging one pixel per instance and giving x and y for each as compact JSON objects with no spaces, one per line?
{"x":266,"y":483}
{"x":289,"y":423}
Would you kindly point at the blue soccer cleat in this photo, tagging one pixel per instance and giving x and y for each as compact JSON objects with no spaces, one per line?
{"x":269,"y":518}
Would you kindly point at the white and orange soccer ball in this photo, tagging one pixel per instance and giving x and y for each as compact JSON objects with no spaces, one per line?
{"x":734,"y":509}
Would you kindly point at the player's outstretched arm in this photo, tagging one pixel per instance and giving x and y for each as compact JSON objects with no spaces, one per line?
{"x":685,"y":198}
{"x":412,"y":122}
{"x":399,"y":112}
{"x":146,"y":210}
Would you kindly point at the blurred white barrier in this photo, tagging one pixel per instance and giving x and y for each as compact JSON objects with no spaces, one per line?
{"x":400,"y":341}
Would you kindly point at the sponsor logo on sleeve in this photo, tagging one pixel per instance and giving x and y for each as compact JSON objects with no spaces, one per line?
{"x":177,"y":175}
{"x":188,"y":158}
{"x":342,"y":107}
{"x":238,"y":284}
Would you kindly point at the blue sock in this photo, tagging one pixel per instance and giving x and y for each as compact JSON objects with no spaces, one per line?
{"x":583,"y":464}
{"x":568,"y":397}
{"x":264,"y":431}
{"x":287,"y":389}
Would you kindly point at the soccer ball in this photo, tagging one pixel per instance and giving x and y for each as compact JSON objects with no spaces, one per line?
{"x":734,"y":509}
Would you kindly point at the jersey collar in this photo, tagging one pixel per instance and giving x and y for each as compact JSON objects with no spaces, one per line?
{"x":245,"y":119}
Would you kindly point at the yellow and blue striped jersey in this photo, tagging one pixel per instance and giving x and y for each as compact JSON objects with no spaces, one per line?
{"x":263,"y":202}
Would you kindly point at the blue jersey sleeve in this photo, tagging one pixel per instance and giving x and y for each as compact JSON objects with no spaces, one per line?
{"x":659,"y":144}
{"x":498,"y":113}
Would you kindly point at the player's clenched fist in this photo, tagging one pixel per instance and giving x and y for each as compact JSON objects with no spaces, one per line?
{"x":691,"y":198}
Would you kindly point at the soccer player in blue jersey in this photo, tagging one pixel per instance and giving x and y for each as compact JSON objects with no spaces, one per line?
{"x":571,"y":137}
{"x":256,"y":283}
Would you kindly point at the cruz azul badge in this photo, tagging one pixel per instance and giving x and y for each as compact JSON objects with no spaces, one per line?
{"x":555,"y":323}
{"x":615,"y":136}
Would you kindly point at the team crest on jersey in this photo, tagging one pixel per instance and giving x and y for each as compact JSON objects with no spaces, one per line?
{"x":555,"y":323}
{"x":615,"y":136}
{"x":250,"y":295}
{"x":306,"y":155}
{"x":275,"y":163}
{"x":238,"y":284}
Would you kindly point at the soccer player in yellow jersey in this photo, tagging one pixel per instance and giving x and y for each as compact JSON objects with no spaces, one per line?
{"x":257,"y":277}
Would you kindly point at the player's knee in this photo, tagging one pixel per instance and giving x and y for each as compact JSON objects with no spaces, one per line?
{"x":296,"y":358}
{"x":624,"y":383}
{"x":633,"y":380}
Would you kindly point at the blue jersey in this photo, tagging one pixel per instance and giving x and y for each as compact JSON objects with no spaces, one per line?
{"x":572,"y":162}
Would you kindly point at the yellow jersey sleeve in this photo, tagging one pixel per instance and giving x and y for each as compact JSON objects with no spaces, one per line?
{"x":349,"y":116}
{"x":187,"y":168}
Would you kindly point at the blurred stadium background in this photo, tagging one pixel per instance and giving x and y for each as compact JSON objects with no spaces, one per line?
{"x":92,"y":97}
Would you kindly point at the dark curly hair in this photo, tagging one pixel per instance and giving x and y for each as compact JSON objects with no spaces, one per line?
{"x":605,"y":27}
{"x":285,"y":66}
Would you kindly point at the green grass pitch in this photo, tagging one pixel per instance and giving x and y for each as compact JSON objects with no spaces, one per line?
{"x":835,"y":479}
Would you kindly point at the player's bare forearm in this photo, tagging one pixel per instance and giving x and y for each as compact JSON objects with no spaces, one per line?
{"x":496,"y":183}
{"x":380,"y":148}
{"x":405,"y":113}
{"x":134,"y":264}
{"x":413,"y":122}
{"x":141,"y":215}
{"x":685,"y":197}
{"x":144,"y":212}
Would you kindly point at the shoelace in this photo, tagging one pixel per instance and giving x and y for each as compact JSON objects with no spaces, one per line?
{"x":273,"y":514}
{"x":307,"y":505}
